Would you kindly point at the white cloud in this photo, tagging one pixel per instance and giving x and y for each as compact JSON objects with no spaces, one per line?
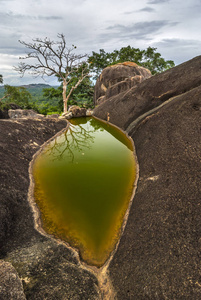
{"x":95,"y":24}
{"x":157,"y":1}
{"x":146,"y":9}
{"x":181,"y":49}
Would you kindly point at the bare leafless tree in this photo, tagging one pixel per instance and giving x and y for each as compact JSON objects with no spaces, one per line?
{"x":54,"y":58}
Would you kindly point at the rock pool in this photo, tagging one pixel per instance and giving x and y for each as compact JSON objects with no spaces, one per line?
{"x":83,"y":184}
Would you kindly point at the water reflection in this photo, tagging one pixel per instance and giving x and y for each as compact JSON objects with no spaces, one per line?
{"x":80,"y":136}
{"x":75,"y":139}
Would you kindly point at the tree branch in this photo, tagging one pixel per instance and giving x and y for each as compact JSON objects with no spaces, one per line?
{"x":4,"y":97}
{"x":53,"y":58}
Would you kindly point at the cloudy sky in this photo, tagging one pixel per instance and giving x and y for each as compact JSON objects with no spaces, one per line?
{"x":172,"y":26}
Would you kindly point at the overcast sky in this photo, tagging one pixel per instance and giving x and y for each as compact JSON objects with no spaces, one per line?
{"x":172,"y":26}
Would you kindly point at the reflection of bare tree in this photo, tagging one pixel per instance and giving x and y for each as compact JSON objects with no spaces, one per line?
{"x":75,"y":139}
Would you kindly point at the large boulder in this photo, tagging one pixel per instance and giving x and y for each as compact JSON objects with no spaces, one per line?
{"x":23,"y":113}
{"x":77,"y":111}
{"x":74,"y":111}
{"x":5,"y":108}
{"x":158,"y":256}
{"x":126,"y":107}
{"x":118,"y":78}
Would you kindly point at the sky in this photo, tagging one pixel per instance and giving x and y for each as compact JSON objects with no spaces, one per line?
{"x":172,"y":26}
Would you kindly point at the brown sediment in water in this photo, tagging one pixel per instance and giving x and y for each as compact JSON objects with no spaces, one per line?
{"x":99,"y":269}
{"x":88,"y":252}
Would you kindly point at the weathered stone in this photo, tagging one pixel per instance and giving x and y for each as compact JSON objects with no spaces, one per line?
{"x":77,"y":111}
{"x":89,"y":112}
{"x":19,"y":140}
{"x":122,"y":75}
{"x":6,"y":107}
{"x":67,"y":115}
{"x":159,"y":253}
{"x":55,"y":274}
{"x":74,"y":111}
{"x":100,"y":100}
{"x":61,"y":117}
{"x":158,"y":256}
{"x":126,"y":107}
{"x":48,"y":269}
{"x":122,"y":86}
{"x":24,"y":113}
{"x":53,"y":116}
{"x":10,"y":284}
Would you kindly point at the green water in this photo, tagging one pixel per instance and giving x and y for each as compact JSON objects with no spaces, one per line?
{"x":83,"y":184}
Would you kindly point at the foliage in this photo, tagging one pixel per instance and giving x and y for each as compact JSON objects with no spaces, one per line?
{"x":1,"y":78}
{"x":37,"y":101}
{"x":52,"y":92}
{"x":148,"y":58}
{"x":45,"y":105}
{"x":47,"y":109}
{"x":72,"y":71}
{"x":18,"y":95}
{"x":81,"y":96}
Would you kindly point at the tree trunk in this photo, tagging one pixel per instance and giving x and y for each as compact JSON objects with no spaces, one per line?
{"x":4,"y":97}
{"x":72,"y":89}
{"x":64,"y":96}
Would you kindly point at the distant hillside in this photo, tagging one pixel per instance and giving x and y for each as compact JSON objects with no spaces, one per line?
{"x":34,"y":89}
{"x":36,"y":85}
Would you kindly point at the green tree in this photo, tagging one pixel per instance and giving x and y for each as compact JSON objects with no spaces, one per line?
{"x":82,"y":95}
{"x":148,"y":58}
{"x":18,"y":95}
{"x":54,"y":58}
{"x":53,"y":95}
{"x":153,"y":61}
{"x":52,"y":92}
{"x":1,"y":78}
{"x":99,"y":61}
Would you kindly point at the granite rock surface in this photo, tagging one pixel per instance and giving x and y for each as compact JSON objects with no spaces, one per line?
{"x":44,"y":267}
{"x":158,"y":256}
{"x":118,"y":78}
{"x":159,"y":253}
{"x":126,"y":107}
